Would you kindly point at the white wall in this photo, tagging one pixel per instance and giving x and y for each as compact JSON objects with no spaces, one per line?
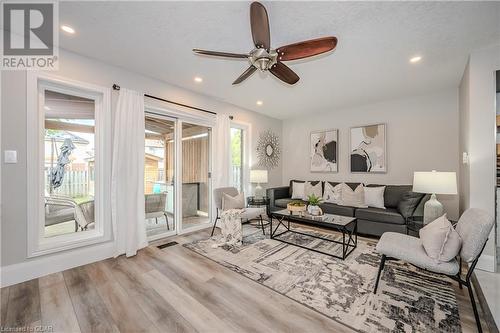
{"x":422,"y":134}
{"x":13,"y":136}
{"x":477,"y":120}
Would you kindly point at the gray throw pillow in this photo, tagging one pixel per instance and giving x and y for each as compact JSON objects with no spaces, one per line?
{"x":409,"y":203}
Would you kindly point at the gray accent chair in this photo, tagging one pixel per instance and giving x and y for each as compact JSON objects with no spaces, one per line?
{"x":474,"y":227}
{"x":155,"y":206}
{"x":249,"y":213}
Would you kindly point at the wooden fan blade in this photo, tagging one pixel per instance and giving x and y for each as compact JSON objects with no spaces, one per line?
{"x":306,"y":49}
{"x":246,"y":74}
{"x":284,"y":73}
{"x":259,"y":23}
{"x":221,"y":54}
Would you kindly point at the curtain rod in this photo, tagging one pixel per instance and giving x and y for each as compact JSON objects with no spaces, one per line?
{"x":117,"y":87}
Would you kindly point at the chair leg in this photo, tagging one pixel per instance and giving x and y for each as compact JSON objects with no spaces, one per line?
{"x":215,"y":223}
{"x":166,"y":220}
{"x":262,"y":225}
{"x":380,"y":269}
{"x":474,"y":308}
{"x":156,"y":219}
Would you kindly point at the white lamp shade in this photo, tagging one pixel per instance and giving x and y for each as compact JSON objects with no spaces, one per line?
{"x":258,"y":176}
{"x":435,"y":182}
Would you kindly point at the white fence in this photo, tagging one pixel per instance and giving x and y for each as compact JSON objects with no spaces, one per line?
{"x":75,"y":183}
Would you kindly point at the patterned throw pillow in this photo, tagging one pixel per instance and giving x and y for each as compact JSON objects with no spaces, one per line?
{"x":333,"y":194}
{"x":236,"y":202}
{"x":312,"y":189}
{"x":354,"y":198}
{"x":440,"y":240}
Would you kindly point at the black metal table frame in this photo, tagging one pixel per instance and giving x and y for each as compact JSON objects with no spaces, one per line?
{"x":347,"y":248}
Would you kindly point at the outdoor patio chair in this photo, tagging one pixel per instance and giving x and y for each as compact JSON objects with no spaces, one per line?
{"x":60,"y":209}
{"x":474,"y":226}
{"x":248,"y":214}
{"x":155,"y":206}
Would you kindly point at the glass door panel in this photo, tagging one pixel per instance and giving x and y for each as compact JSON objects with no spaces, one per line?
{"x":196,"y":187}
{"x":159,"y":190}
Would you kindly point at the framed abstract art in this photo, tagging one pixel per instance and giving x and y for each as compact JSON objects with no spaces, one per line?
{"x":324,"y":151}
{"x":368,"y":151}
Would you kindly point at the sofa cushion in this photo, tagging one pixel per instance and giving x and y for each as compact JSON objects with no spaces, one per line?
{"x":409,"y":203}
{"x":332,"y":208}
{"x":393,"y":194}
{"x":389,"y":215}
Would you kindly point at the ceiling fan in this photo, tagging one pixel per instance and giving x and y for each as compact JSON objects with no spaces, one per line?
{"x":265,"y":58}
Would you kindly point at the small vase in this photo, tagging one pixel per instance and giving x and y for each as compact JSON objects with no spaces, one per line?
{"x":313,"y":210}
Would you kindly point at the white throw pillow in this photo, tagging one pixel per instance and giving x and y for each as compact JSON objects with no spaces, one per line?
{"x":440,"y":240}
{"x":333,"y":194}
{"x":236,"y":202}
{"x":298,"y":190}
{"x":309,"y":189}
{"x":354,"y":198}
{"x":374,"y":196}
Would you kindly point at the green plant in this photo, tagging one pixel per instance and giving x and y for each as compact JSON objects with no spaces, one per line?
{"x":314,"y":200}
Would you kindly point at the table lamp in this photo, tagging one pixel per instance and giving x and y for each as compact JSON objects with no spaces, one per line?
{"x":434,"y":182}
{"x":258,"y":177}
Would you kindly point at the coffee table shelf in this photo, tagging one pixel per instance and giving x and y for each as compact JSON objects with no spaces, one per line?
{"x":348,"y":226}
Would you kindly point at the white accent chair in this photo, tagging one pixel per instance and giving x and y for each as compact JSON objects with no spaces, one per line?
{"x":248,"y":214}
{"x":474,"y":227}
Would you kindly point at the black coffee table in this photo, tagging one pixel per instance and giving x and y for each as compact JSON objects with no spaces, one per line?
{"x":348,"y":226}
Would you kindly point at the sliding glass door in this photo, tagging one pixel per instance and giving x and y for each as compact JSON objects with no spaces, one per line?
{"x":196,"y":188}
{"x":159,"y":171}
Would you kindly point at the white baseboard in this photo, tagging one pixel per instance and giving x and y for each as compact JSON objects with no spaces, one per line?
{"x":486,"y":263}
{"x":41,"y":266}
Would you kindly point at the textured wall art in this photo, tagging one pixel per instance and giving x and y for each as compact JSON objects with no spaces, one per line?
{"x":368,"y":149}
{"x":268,"y":150}
{"x":324,"y":151}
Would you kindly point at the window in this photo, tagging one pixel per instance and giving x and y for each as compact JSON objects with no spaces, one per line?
{"x":69,"y":140}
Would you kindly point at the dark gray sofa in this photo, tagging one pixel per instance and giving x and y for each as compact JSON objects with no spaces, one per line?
{"x":400,"y":202}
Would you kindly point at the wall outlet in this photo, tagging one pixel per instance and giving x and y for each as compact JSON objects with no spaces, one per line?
{"x":465,"y":158}
{"x":10,"y":156}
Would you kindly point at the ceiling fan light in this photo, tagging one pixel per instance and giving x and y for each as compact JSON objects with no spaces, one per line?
{"x":262,"y":63}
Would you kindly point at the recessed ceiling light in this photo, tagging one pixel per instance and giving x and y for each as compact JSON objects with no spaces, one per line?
{"x":46,"y":107}
{"x":68,"y":29}
{"x":198,"y":79}
{"x":260,"y":103}
{"x":415,"y":59}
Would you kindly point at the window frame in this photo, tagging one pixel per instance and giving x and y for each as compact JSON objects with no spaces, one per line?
{"x":37,"y":244}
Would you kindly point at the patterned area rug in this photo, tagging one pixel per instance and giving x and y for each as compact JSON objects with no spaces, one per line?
{"x":408,"y":299}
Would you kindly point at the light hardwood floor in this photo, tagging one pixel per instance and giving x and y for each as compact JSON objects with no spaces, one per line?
{"x":169,"y":290}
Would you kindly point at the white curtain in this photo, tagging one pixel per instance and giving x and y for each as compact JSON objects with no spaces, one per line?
{"x":221,"y":170}
{"x":127,"y":180}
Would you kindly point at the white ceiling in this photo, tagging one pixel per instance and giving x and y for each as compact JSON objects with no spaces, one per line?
{"x":370,"y":63}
